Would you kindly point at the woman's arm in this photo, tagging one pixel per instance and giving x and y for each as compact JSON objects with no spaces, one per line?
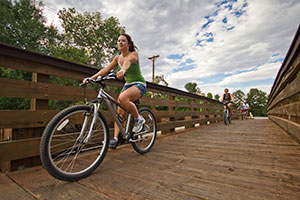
{"x":105,"y":70}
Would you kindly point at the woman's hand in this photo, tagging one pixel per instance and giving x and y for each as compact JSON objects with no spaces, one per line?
{"x":120,"y":74}
{"x":85,"y":80}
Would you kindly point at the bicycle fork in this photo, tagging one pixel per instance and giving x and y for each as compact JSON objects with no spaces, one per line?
{"x":86,"y":118}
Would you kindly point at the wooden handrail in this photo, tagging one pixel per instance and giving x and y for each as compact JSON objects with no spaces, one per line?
{"x":284,"y":99}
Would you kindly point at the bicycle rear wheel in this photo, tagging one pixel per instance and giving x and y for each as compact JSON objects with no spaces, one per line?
{"x":143,"y":141}
{"x":64,"y":152}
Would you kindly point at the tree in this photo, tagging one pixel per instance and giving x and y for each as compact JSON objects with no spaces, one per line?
{"x":192,"y":88}
{"x":90,"y":36}
{"x":23,"y":25}
{"x":238,"y":97}
{"x":159,"y":79}
{"x":209,"y":95}
{"x":257,"y":101}
{"x":217,"y":97}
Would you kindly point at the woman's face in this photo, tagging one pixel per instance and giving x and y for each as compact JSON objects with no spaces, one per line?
{"x":226,"y":91}
{"x":122,"y":43}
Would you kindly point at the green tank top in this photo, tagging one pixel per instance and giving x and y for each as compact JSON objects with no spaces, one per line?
{"x":133,"y":73}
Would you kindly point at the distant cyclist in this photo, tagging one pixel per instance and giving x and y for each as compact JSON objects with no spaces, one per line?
{"x":242,"y":110}
{"x":246,"y":108}
{"x":227,"y":99}
{"x":135,"y":86}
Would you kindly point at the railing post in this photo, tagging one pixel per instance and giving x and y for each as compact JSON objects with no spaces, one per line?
{"x":7,"y":136}
{"x":192,"y":109}
{"x":24,"y":133}
{"x":39,"y":104}
{"x":171,"y":112}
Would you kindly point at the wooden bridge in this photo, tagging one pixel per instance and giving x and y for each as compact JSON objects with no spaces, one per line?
{"x":252,"y":159}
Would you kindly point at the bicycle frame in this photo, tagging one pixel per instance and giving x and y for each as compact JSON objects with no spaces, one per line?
{"x":109,"y":101}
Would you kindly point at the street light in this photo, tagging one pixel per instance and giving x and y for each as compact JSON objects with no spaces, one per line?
{"x":153,"y":61}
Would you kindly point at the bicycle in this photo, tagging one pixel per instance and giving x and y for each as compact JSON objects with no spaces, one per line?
{"x":76,"y":140}
{"x":227,"y":115}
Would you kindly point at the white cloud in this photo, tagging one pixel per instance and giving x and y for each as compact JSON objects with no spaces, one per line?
{"x":262,"y":72}
{"x":169,"y":27}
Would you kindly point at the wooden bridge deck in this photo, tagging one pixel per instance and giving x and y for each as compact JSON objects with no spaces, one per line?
{"x":251,"y":159}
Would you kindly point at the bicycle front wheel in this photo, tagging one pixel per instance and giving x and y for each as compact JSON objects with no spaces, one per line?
{"x":143,"y":141}
{"x":65,"y":151}
{"x":226,"y":121}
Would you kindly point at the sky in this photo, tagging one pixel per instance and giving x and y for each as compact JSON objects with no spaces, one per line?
{"x":234,"y":44}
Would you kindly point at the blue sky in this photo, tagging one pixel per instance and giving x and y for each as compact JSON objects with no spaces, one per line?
{"x":235,"y":44}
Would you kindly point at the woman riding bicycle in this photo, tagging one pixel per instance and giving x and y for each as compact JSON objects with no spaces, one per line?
{"x":135,"y":86}
{"x":227,"y":99}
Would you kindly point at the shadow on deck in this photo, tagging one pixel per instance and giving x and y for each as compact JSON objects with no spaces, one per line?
{"x":252,"y":159}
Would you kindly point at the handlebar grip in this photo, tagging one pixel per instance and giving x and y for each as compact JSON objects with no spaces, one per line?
{"x":89,"y":80}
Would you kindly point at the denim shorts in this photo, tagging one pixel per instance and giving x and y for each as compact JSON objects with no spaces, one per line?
{"x":139,"y":86}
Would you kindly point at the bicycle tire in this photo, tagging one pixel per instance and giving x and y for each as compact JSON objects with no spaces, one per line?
{"x":149,"y":132}
{"x":225,"y":117}
{"x":64,"y":130}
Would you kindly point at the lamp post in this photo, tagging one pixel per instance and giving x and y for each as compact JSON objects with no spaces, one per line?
{"x":153,"y":61}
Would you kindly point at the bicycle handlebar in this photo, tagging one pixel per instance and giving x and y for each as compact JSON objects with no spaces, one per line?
{"x":100,"y":79}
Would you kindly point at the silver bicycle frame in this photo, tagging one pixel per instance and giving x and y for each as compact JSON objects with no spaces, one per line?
{"x":108,"y":101}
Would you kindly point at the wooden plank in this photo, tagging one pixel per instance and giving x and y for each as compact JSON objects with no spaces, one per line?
{"x":292,"y":89}
{"x":290,"y":127}
{"x":20,"y":119}
{"x":292,"y":109}
{"x":294,"y":130}
{"x":166,"y":126}
{"x":182,"y":104}
{"x":9,"y":190}
{"x":156,"y":101}
{"x":38,"y":118}
{"x":210,"y":162}
{"x":26,"y":65}
{"x":17,"y":149}
{"x":7,"y":135}
{"x":49,"y":188}
{"x":28,"y":89}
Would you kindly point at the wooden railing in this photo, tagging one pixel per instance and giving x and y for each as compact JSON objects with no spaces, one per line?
{"x":284,"y":99}
{"x":21,"y":129}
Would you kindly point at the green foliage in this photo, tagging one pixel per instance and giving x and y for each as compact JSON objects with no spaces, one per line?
{"x":192,"y":88}
{"x":209,"y":95}
{"x":73,"y":54}
{"x":184,"y":100}
{"x":64,"y":81}
{"x":8,"y":103}
{"x":257,"y":101}
{"x":22,"y":25}
{"x":217,"y":97}
{"x":238,"y":97}
{"x":159,"y":79}
{"x":15,"y":74}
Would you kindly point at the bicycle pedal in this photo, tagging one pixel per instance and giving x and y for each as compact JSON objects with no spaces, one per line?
{"x":114,"y":147}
